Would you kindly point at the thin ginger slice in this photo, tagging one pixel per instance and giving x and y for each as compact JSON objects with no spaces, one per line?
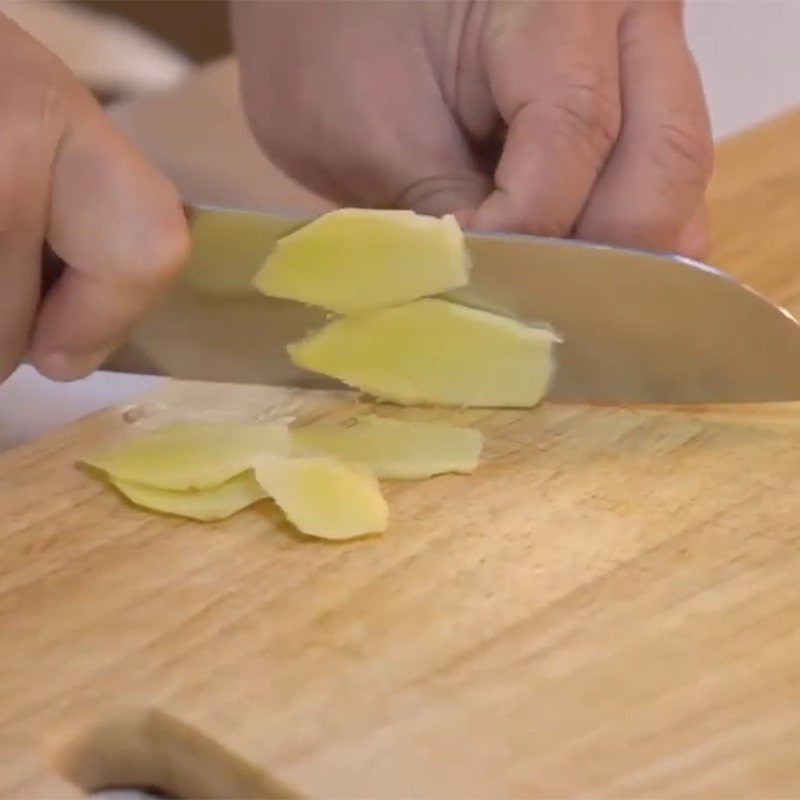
{"x":394,"y":448}
{"x":434,"y":352}
{"x":352,"y":260}
{"x":324,"y":497}
{"x":206,"y":505}
{"x":191,"y":456}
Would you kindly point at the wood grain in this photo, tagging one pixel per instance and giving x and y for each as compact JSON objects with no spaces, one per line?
{"x":608,"y":608}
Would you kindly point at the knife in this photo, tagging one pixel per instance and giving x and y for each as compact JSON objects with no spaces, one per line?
{"x":637,"y":327}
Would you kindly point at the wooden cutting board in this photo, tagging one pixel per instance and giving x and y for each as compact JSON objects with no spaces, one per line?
{"x":609,"y":607}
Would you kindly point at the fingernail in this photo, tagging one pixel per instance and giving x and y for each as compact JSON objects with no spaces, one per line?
{"x":62,"y":366}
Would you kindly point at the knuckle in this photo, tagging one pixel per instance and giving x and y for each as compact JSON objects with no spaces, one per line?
{"x":36,"y":101}
{"x":439,"y":194}
{"x":589,"y":113}
{"x":519,"y":218}
{"x":158,"y":262}
{"x":168,"y":254}
{"x":686,"y":150}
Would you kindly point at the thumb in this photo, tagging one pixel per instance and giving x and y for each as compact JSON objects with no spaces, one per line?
{"x":456,"y":191}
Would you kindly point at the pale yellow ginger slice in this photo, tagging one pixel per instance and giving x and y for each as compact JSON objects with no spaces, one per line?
{"x":206,"y":505}
{"x":191,"y":456}
{"x":394,"y":448}
{"x":324,"y":497}
{"x":352,"y":260}
{"x":434,"y":352}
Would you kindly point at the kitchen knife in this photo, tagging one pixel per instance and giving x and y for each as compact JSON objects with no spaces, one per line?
{"x":637,"y":327}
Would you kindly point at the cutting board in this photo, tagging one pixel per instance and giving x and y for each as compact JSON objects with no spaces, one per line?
{"x":609,"y":607}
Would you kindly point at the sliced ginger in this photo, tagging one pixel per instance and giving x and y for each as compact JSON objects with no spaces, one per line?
{"x":434,"y":352}
{"x":352,"y":260}
{"x":206,"y":505}
{"x":192,"y":456}
{"x":393,"y":448}
{"x":375,"y":266}
{"x":324,"y":497}
{"x":326,"y":485}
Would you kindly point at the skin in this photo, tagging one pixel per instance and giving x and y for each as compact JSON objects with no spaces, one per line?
{"x":580,"y":118}
{"x":70,"y":178}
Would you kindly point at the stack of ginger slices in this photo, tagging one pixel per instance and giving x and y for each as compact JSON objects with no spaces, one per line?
{"x":395,"y":337}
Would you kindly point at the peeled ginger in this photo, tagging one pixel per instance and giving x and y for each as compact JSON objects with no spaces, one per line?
{"x":352,"y":260}
{"x":205,"y":505}
{"x":434,"y":352}
{"x":323,"y":496}
{"x":394,"y":448}
{"x":323,"y":476}
{"x":191,"y":456}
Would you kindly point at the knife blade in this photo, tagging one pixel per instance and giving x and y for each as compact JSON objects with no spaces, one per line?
{"x":637,"y":327}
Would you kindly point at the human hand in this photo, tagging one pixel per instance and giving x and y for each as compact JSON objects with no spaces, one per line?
{"x":68,"y":177}
{"x":580,"y":118}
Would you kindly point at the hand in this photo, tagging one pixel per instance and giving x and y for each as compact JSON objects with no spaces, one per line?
{"x":577,"y":118}
{"x":69,"y":178}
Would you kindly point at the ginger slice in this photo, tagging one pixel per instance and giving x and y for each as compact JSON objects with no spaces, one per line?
{"x":394,"y":448}
{"x":206,"y":505}
{"x":434,"y":352}
{"x":191,"y":456}
{"x":352,"y":260}
{"x":324,"y":497}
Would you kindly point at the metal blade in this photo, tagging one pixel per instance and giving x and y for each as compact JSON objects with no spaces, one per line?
{"x":637,"y":327}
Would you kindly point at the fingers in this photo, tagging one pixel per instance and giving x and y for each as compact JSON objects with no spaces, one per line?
{"x":362,"y":120}
{"x":29,"y":135}
{"x":25,"y":152}
{"x":653,"y":185}
{"x":119,"y":226}
{"x":69,"y":178}
{"x":553,"y":71}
